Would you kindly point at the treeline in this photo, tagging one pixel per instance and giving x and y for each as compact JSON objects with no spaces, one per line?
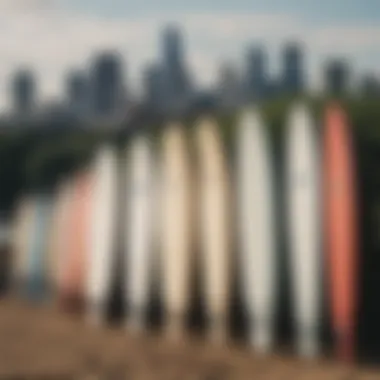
{"x":35,"y":158}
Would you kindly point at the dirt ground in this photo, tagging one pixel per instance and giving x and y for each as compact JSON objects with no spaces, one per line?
{"x":44,"y":343}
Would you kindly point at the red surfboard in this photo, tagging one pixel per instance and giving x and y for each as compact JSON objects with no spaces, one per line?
{"x":74,"y":273}
{"x":341,"y":228}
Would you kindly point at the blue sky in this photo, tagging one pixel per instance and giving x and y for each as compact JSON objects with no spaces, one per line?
{"x":56,"y":36}
{"x":322,"y":11}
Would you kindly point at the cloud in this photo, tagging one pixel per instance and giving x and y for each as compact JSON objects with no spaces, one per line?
{"x":25,"y":5}
{"x":240,"y":25}
{"x":347,"y":38}
{"x":52,"y":40}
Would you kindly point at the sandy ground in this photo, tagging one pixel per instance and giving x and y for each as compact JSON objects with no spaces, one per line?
{"x":44,"y":343}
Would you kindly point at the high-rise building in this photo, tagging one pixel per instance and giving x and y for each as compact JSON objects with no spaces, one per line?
{"x":176,"y":84}
{"x":154,"y":87}
{"x":77,"y":92}
{"x":293,"y":76}
{"x":107,"y":84}
{"x":256,"y":74}
{"x":273,"y":87}
{"x":230,"y":92}
{"x":23,"y":92}
{"x":172,"y":46}
{"x":336,"y":77}
{"x":370,"y":85}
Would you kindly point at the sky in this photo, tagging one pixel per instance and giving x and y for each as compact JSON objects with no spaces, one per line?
{"x":55,"y":36}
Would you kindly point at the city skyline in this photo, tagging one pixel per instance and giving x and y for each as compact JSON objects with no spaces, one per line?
{"x":55,"y":37}
{"x":102,"y":91}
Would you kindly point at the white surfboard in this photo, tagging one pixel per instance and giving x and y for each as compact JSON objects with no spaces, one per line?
{"x":256,"y":230}
{"x":102,"y":233}
{"x":303,"y":221}
{"x":175,"y":221}
{"x":21,"y":240}
{"x":138,"y":243}
{"x":214,"y":223}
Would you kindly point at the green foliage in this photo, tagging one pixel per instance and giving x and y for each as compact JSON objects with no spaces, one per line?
{"x":31,"y":159}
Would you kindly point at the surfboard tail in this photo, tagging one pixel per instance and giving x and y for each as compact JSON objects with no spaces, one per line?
{"x":261,"y":336}
{"x":217,"y":331}
{"x":136,"y":320}
{"x":307,"y":342}
{"x":71,"y":301}
{"x":36,"y":289}
{"x":345,"y":346}
{"x":262,"y":341}
{"x":96,"y":313}
{"x":175,"y":325}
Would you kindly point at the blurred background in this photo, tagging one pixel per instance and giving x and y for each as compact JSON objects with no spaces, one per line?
{"x":89,"y":60}
{"x":74,"y":66}
{"x":74,"y":73}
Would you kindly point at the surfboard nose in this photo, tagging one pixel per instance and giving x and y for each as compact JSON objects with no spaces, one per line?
{"x":249,"y":116}
{"x":299,"y":113}
{"x":335,"y":116}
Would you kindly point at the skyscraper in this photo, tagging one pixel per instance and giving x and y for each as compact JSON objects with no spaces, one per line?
{"x":229,"y":89}
{"x":77,"y":93}
{"x":370,"y":85}
{"x":256,"y":74}
{"x":23,"y":92}
{"x":176,"y":84}
{"x":293,"y":76}
{"x":154,"y":86}
{"x":336,"y":77}
{"x":107,"y":84}
{"x":172,"y":46}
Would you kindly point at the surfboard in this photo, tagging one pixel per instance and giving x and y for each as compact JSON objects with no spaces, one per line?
{"x":78,"y":240}
{"x":303,"y":221}
{"x":36,"y":281}
{"x":21,"y":237}
{"x":214,"y":218}
{"x":256,"y":229}
{"x":50,"y":252}
{"x":175,"y":221}
{"x":139,"y":226}
{"x":102,"y":233}
{"x":57,"y":246}
{"x":5,"y":256}
{"x":62,"y":237}
{"x":341,"y":228}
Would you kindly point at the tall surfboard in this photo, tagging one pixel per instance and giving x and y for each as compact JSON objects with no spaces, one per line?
{"x":139,"y":225}
{"x":214,"y":203}
{"x":62,"y":232}
{"x":102,"y":233}
{"x":21,"y":240}
{"x":303,"y":221}
{"x":50,"y":251}
{"x":175,"y":222}
{"x":36,"y":281}
{"x":256,"y":230}
{"x":341,"y":228}
{"x":57,"y":246}
{"x":78,"y":240}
